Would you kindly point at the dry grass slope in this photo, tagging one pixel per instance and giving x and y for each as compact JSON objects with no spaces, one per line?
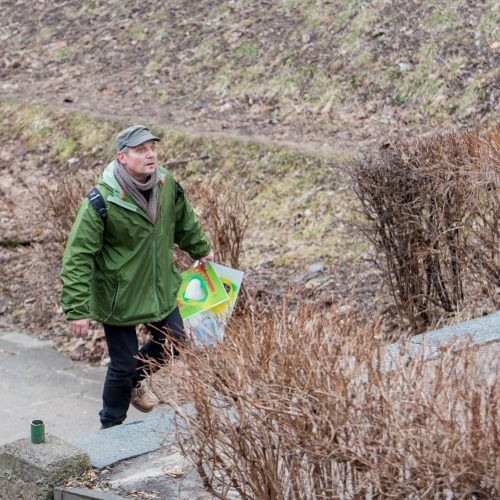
{"x":304,"y":71}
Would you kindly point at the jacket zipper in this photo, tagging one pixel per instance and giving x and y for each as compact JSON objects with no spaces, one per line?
{"x":154,"y":274}
{"x":113,"y":301}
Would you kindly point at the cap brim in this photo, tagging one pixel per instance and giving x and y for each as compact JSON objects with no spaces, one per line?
{"x":140,"y":138}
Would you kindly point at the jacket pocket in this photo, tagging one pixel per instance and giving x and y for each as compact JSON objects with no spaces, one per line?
{"x":114,"y":301}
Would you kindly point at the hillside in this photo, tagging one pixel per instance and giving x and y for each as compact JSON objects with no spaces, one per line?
{"x":281,"y":95}
{"x":318,"y":72}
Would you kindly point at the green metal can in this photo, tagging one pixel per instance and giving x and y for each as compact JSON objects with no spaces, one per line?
{"x":37,"y":431}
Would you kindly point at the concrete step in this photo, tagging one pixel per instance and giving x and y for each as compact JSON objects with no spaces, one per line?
{"x":128,"y":440}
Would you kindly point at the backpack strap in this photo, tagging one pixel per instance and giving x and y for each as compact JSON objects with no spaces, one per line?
{"x":97,"y":202}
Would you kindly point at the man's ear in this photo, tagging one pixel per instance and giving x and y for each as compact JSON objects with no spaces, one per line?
{"x":120,"y":157}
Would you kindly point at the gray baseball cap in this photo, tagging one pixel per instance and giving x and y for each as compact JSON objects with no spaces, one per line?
{"x":134,"y":136}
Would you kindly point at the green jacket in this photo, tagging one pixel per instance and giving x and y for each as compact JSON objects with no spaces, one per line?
{"x":121,"y":271}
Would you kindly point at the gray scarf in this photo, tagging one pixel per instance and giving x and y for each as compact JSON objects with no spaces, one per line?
{"x":136,"y":190}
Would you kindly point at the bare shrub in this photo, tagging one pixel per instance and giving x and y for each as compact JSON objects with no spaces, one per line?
{"x":304,"y":406}
{"x":225,"y":217}
{"x":60,"y":200}
{"x":432,"y":210}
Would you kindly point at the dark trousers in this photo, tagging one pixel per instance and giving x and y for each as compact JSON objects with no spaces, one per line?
{"x":125,"y":370}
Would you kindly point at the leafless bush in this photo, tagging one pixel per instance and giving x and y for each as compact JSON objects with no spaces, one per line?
{"x":304,"y":406}
{"x":432,"y":210}
{"x":61,"y":200}
{"x":225,"y":217}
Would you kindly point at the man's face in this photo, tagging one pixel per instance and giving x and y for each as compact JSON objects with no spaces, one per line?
{"x":139,"y":162}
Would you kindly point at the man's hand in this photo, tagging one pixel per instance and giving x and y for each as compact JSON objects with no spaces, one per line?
{"x":79,"y":327}
{"x":210,"y":257}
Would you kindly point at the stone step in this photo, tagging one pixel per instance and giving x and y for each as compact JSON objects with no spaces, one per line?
{"x":128,"y":440}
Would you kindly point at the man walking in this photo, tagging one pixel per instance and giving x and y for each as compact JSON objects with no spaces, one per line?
{"x":118,"y":266}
